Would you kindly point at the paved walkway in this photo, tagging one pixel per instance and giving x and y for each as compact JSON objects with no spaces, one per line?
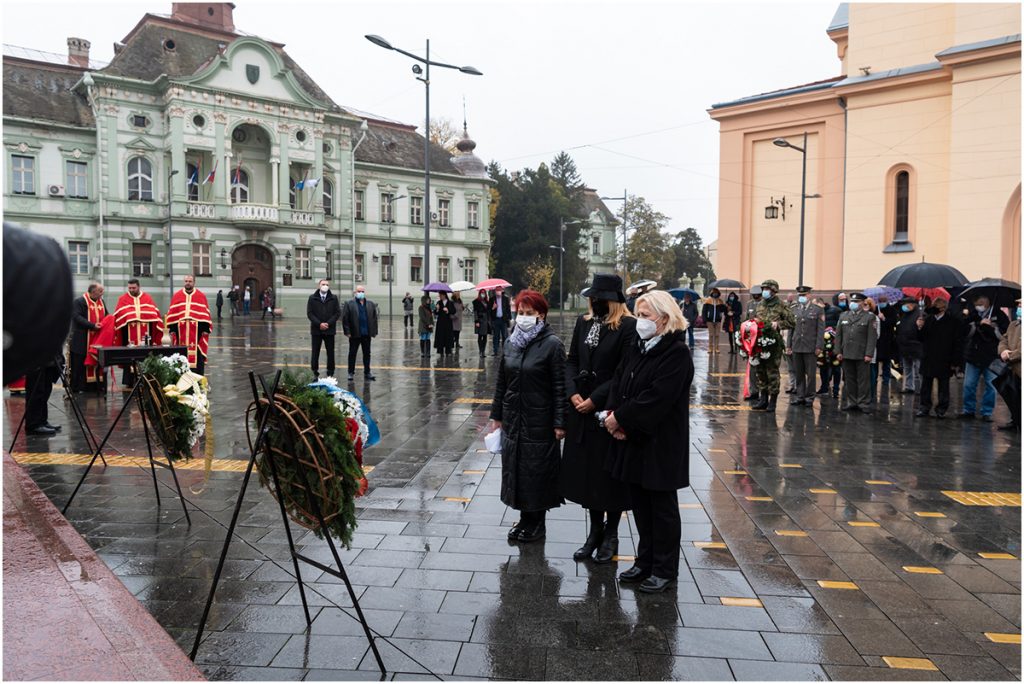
{"x":816,"y":544}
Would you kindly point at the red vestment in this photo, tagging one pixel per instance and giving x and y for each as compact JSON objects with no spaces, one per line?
{"x":104,"y":337}
{"x":97,"y":312}
{"x":136,"y":317}
{"x":189,"y":323}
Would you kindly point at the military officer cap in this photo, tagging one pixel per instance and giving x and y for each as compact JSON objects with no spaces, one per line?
{"x":773,"y":285}
{"x":755,"y":290}
{"x":857,"y":296}
{"x":804,"y":289}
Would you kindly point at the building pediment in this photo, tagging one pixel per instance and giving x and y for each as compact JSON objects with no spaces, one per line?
{"x":140,"y":144}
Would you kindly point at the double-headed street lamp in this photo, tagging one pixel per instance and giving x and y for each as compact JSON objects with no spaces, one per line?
{"x":625,"y":208}
{"x":391,"y":256}
{"x":170,"y":236}
{"x":425,"y":78}
{"x":782,"y":142}
{"x":562,"y":223}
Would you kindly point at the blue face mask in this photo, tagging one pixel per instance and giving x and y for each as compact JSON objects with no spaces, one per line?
{"x":842,"y":303}
{"x":360,"y":295}
{"x":854,"y":306}
{"x":906,"y":309}
{"x":767,"y":295}
{"x":802,"y":299}
{"x":1018,"y":312}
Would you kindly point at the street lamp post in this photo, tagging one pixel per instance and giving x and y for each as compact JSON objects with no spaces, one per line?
{"x":782,"y":142}
{"x":562,"y":223}
{"x":425,"y":78}
{"x":391,"y":257}
{"x":625,"y":208}
{"x":170,"y":237}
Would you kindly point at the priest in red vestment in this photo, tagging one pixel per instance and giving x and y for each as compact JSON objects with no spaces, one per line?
{"x":87,"y":313}
{"x":189,"y":323}
{"x":135,"y":317}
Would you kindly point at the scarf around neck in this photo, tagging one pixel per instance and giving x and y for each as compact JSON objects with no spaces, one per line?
{"x":520,"y":338}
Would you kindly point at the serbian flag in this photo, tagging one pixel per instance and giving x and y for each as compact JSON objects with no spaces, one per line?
{"x":209,"y":179}
{"x":237,"y":177}
{"x":194,"y":180}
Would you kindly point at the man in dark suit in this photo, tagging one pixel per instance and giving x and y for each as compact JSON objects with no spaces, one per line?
{"x":501,"y":317}
{"x":359,"y":322}
{"x":87,"y":313}
{"x":939,"y":334}
{"x":322,"y":310}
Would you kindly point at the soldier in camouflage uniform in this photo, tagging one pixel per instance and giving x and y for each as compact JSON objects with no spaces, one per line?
{"x":777,"y":317}
{"x":748,"y":315}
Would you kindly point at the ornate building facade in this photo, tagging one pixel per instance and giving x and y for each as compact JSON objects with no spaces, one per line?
{"x":202,"y":150}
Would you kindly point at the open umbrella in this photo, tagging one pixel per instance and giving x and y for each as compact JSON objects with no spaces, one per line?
{"x":1000,"y":292}
{"x":929,"y":294}
{"x":727,"y":284}
{"x":493,"y":283}
{"x":893,"y":294}
{"x":680,"y":292}
{"x":923,"y":274}
{"x":437,"y":287}
{"x":641,"y":284}
{"x":461,"y":286}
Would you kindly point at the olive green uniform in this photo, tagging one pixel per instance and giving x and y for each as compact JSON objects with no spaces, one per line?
{"x":807,"y":337}
{"x":748,"y":315}
{"x":771,"y":311}
{"x":856,"y":338}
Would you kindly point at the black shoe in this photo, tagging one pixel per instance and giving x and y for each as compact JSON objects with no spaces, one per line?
{"x":922,"y":414}
{"x":593,"y":541}
{"x":655,"y":585}
{"x":762,"y":403}
{"x":55,"y":428}
{"x":634,"y":574}
{"x":517,"y":529}
{"x":42,"y":431}
{"x":986,"y":419}
{"x":835,"y":395}
{"x":351,"y":377}
{"x":822,"y":390}
{"x":940,"y":414}
{"x":966,"y":416}
{"x":370,"y":376}
{"x":756,"y":396}
{"x":608,"y":550}
{"x":772,"y":400}
{"x":532,"y":534}
{"x":797,"y":402}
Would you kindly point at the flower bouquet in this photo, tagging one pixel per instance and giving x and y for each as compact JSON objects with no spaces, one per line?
{"x":829,"y":355}
{"x":758,"y":343}
{"x":176,"y":402}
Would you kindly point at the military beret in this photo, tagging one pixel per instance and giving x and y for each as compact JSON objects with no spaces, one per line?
{"x":804,"y":289}
{"x":770,"y":284}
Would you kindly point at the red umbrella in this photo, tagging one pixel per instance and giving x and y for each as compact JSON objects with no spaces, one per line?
{"x":930,"y":294}
{"x":493,"y":283}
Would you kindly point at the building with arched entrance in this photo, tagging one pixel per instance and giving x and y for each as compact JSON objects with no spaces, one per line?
{"x":200,"y":149}
{"x":913,"y":152}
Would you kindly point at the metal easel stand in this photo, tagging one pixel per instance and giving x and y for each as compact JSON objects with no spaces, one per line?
{"x":266,"y":417}
{"x":137,"y":395}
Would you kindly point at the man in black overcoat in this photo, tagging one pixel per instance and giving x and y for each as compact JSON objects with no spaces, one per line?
{"x":323,"y":311}
{"x":939,"y":334}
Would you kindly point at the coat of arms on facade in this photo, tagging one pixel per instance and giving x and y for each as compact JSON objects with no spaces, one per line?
{"x":252,"y":72}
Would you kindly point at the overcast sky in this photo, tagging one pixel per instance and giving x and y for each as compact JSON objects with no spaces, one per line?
{"x":622,"y":86}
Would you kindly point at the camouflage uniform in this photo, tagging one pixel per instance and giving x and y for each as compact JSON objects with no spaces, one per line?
{"x":771,"y":311}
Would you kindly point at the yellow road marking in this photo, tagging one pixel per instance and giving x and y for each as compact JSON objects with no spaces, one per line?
{"x":741,"y":602}
{"x":791,"y":533}
{"x":458,"y":499}
{"x":910,"y":663}
{"x":862,"y":523}
{"x":470,"y":400}
{"x":832,"y":584}
{"x":709,"y":545}
{"x":929,"y":514}
{"x":759,"y":498}
{"x":821,"y":490}
{"x":1003,"y":638}
{"x":790,"y":465}
{"x":220,"y":465}
{"x":727,"y":375}
{"x":878,"y":482}
{"x":473,"y":472}
{"x":691,"y":506}
{"x":921,"y":570}
{"x":406,"y":368}
{"x":719,"y":450}
{"x":623,"y":558}
{"x":735,"y":472}
{"x":721,"y":407}
{"x":998,"y":556}
{"x":984,"y":498}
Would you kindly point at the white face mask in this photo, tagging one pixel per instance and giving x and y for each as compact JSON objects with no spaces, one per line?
{"x":646,"y":328}
{"x":526,"y":323}
{"x":324,"y":288}
{"x":980,"y":309}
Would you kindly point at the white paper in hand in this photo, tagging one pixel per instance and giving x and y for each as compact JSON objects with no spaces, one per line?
{"x":493,"y":442}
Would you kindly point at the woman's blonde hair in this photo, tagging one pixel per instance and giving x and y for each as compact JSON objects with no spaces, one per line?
{"x":616,"y":312}
{"x":662,"y":304}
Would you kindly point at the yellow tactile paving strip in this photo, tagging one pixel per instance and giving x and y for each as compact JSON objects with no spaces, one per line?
{"x":398,"y":368}
{"x":910,"y":663}
{"x":471,"y":400}
{"x":984,"y":498}
{"x":834,"y":584}
{"x":741,"y":602}
{"x":721,"y":407}
{"x":1001,"y":638}
{"x":235,"y":465}
{"x":726,"y":375}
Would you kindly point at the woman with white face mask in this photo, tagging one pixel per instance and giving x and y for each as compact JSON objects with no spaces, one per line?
{"x":649,"y":415}
{"x":530,"y":408}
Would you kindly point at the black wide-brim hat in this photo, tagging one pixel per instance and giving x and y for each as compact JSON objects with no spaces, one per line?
{"x":605,"y":286}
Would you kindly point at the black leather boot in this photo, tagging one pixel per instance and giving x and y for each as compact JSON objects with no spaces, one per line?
{"x":608,"y":550}
{"x":756,"y":396}
{"x":762,"y":403}
{"x":771,"y":403}
{"x":594,"y":538}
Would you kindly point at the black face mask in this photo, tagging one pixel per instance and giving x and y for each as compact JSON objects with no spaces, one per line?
{"x":600,"y":307}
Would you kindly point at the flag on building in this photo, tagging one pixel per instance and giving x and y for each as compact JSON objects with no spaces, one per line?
{"x":209,"y":179}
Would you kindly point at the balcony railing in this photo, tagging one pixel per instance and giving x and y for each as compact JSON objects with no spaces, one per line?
{"x":254,"y":213}
{"x":302,"y":218}
{"x":200,"y":210}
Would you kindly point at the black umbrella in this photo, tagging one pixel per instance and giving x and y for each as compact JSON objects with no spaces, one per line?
{"x":727,"y":283}
{"x":923,"y":274}
{"x":1000,"y":292}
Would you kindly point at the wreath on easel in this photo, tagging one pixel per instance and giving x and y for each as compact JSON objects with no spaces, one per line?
{"x":316,"y":450}
{"x":176,"y":403}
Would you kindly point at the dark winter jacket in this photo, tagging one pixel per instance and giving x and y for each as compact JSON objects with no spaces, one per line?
{"x":80,"y":325}
{"x":350,"y":318}
{"x":908,"y":343}
{"x":981,"y":346}
{"x":713,"y":311}
{"x":887,"y":319}
{"x":689,"y":311}
{"x":589,"y":372}
{"x":425,"y":324}
{"x":529,"y":400}
{"x":941,"y":343}
{"x":650,"y":397}
{"x":481,"y":317}
{"x":734,"y":306}
{"x":832,"y":314}
{"x":322,"y":311}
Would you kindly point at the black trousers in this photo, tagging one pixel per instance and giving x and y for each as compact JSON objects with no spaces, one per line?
{"x":314,"y":359}
{"x":481,"y":343}
{"x":200,"y":368}
{"x":657,"y":520}
{"x":926,"y":394}
{"x":37,"y":396}
{"x":408,"y":319}
{"x":354,"y":343}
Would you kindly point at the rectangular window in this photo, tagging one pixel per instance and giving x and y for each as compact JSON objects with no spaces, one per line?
{"x":416,"y":269}
{"x":443,"y":209}
{"x":386,"y":202}
{"x":469,"y":270}
{"x":360,"y":263}
{"x":201,"y":258}
{"x":359,"y":205}
{"x":23,"y":174}
{"x":142,"y":259}
{"x":902,"y":206}
{"x":387,"y":270}
{"x":473,"y":214}
{"x":416,"y":211}
{"x":443,"y":269}
{"x":302,"y":262}
{"x":329,"y":269}
{"x":78,"y":255}
{"x":77,"y":181}
{"x":595,"y":245}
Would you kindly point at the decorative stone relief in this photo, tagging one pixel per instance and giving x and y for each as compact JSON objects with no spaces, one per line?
{"x":202,"y":232}
{"x":142,"y":232}
{"x":220,"y":117}
{"x":176,"y":111}
{"x":112,"y":109}
{"x":302,"y":238}
{"x":77,"y":154}
{"x":283,"y":127}
{"x":23,"y":148}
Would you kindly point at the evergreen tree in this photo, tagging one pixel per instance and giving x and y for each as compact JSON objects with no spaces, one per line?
{"x":563,"y":170}
{"x":688,"y":257}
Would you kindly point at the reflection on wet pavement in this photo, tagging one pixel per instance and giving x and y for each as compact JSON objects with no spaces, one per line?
{"x":816,"y":544}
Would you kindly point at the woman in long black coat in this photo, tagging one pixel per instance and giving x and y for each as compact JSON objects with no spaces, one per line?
{"x":650,"y":417}
{"x":529,"y":405}
{"x":444,"y":336}
{"x":481,"y":320}
{"x":599,"y":342}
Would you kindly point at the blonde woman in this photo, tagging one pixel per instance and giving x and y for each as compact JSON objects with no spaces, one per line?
{"x":649,"y":415}
{"x":713,"y":314}
{"x":600,"y":340}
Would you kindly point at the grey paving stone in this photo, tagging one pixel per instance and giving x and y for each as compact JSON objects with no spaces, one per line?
{"x":748,"y":670}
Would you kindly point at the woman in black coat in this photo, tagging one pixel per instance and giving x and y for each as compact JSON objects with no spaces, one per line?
{"x":599,"y":342}
{"x":444,"y":335}
{"x":529,"y":405}
{"x":733,"y":318}
{"x":650,"y":416}
{"x":481,"y":321}
{"x":713,"y":313}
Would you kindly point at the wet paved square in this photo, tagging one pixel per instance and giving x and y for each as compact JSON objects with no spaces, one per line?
{"x":816,"y":544}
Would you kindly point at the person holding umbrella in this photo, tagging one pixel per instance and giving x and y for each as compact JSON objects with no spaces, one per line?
{"x":426,"y":325}
{"x":501,"y":318}
{"x":986,"y":326}
{"x":1009,"y":387}
{"x":444,"y":312}
{"x":713,"y":313}
{"x":481,"y":320}
{"x":733,"y":315}
{"x":940,"y":341}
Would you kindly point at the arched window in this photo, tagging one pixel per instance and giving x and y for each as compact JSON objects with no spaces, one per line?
{"x":192,"y":183}
{"x":901,"y":216}
{"x":140,"y":180}
{"x":328,"y":198}
{"x":291,"y":192}
{"x":900,"y":231}
{"x":239,"y":187}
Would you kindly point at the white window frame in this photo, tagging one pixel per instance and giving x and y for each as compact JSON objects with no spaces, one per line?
{"x":328,"y":190}
{"x":329,"y":270}
{"x":415,"y":264}
{"x":302,"y":259}
{"x":359,"y":268}
{"x":472,"y":215}
{"x":240,"y":190}
{"x":416,"y":210}
{"x":360,"y":199}
{"x":444,"y":269}
{"x":387,"y":207}
{"x":76,"y":179}
{"x":595,"y":245}
{"x":142,"y":269}
{"x":192,"y":186}
{"x":78,"y":256}
{"x":202,"y":255}
{"x":23,"y":174}
{"x":469,"y":269}
{"x":141,"y":179}
{"x":387,"y":268}
{"x":443,"y":212}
